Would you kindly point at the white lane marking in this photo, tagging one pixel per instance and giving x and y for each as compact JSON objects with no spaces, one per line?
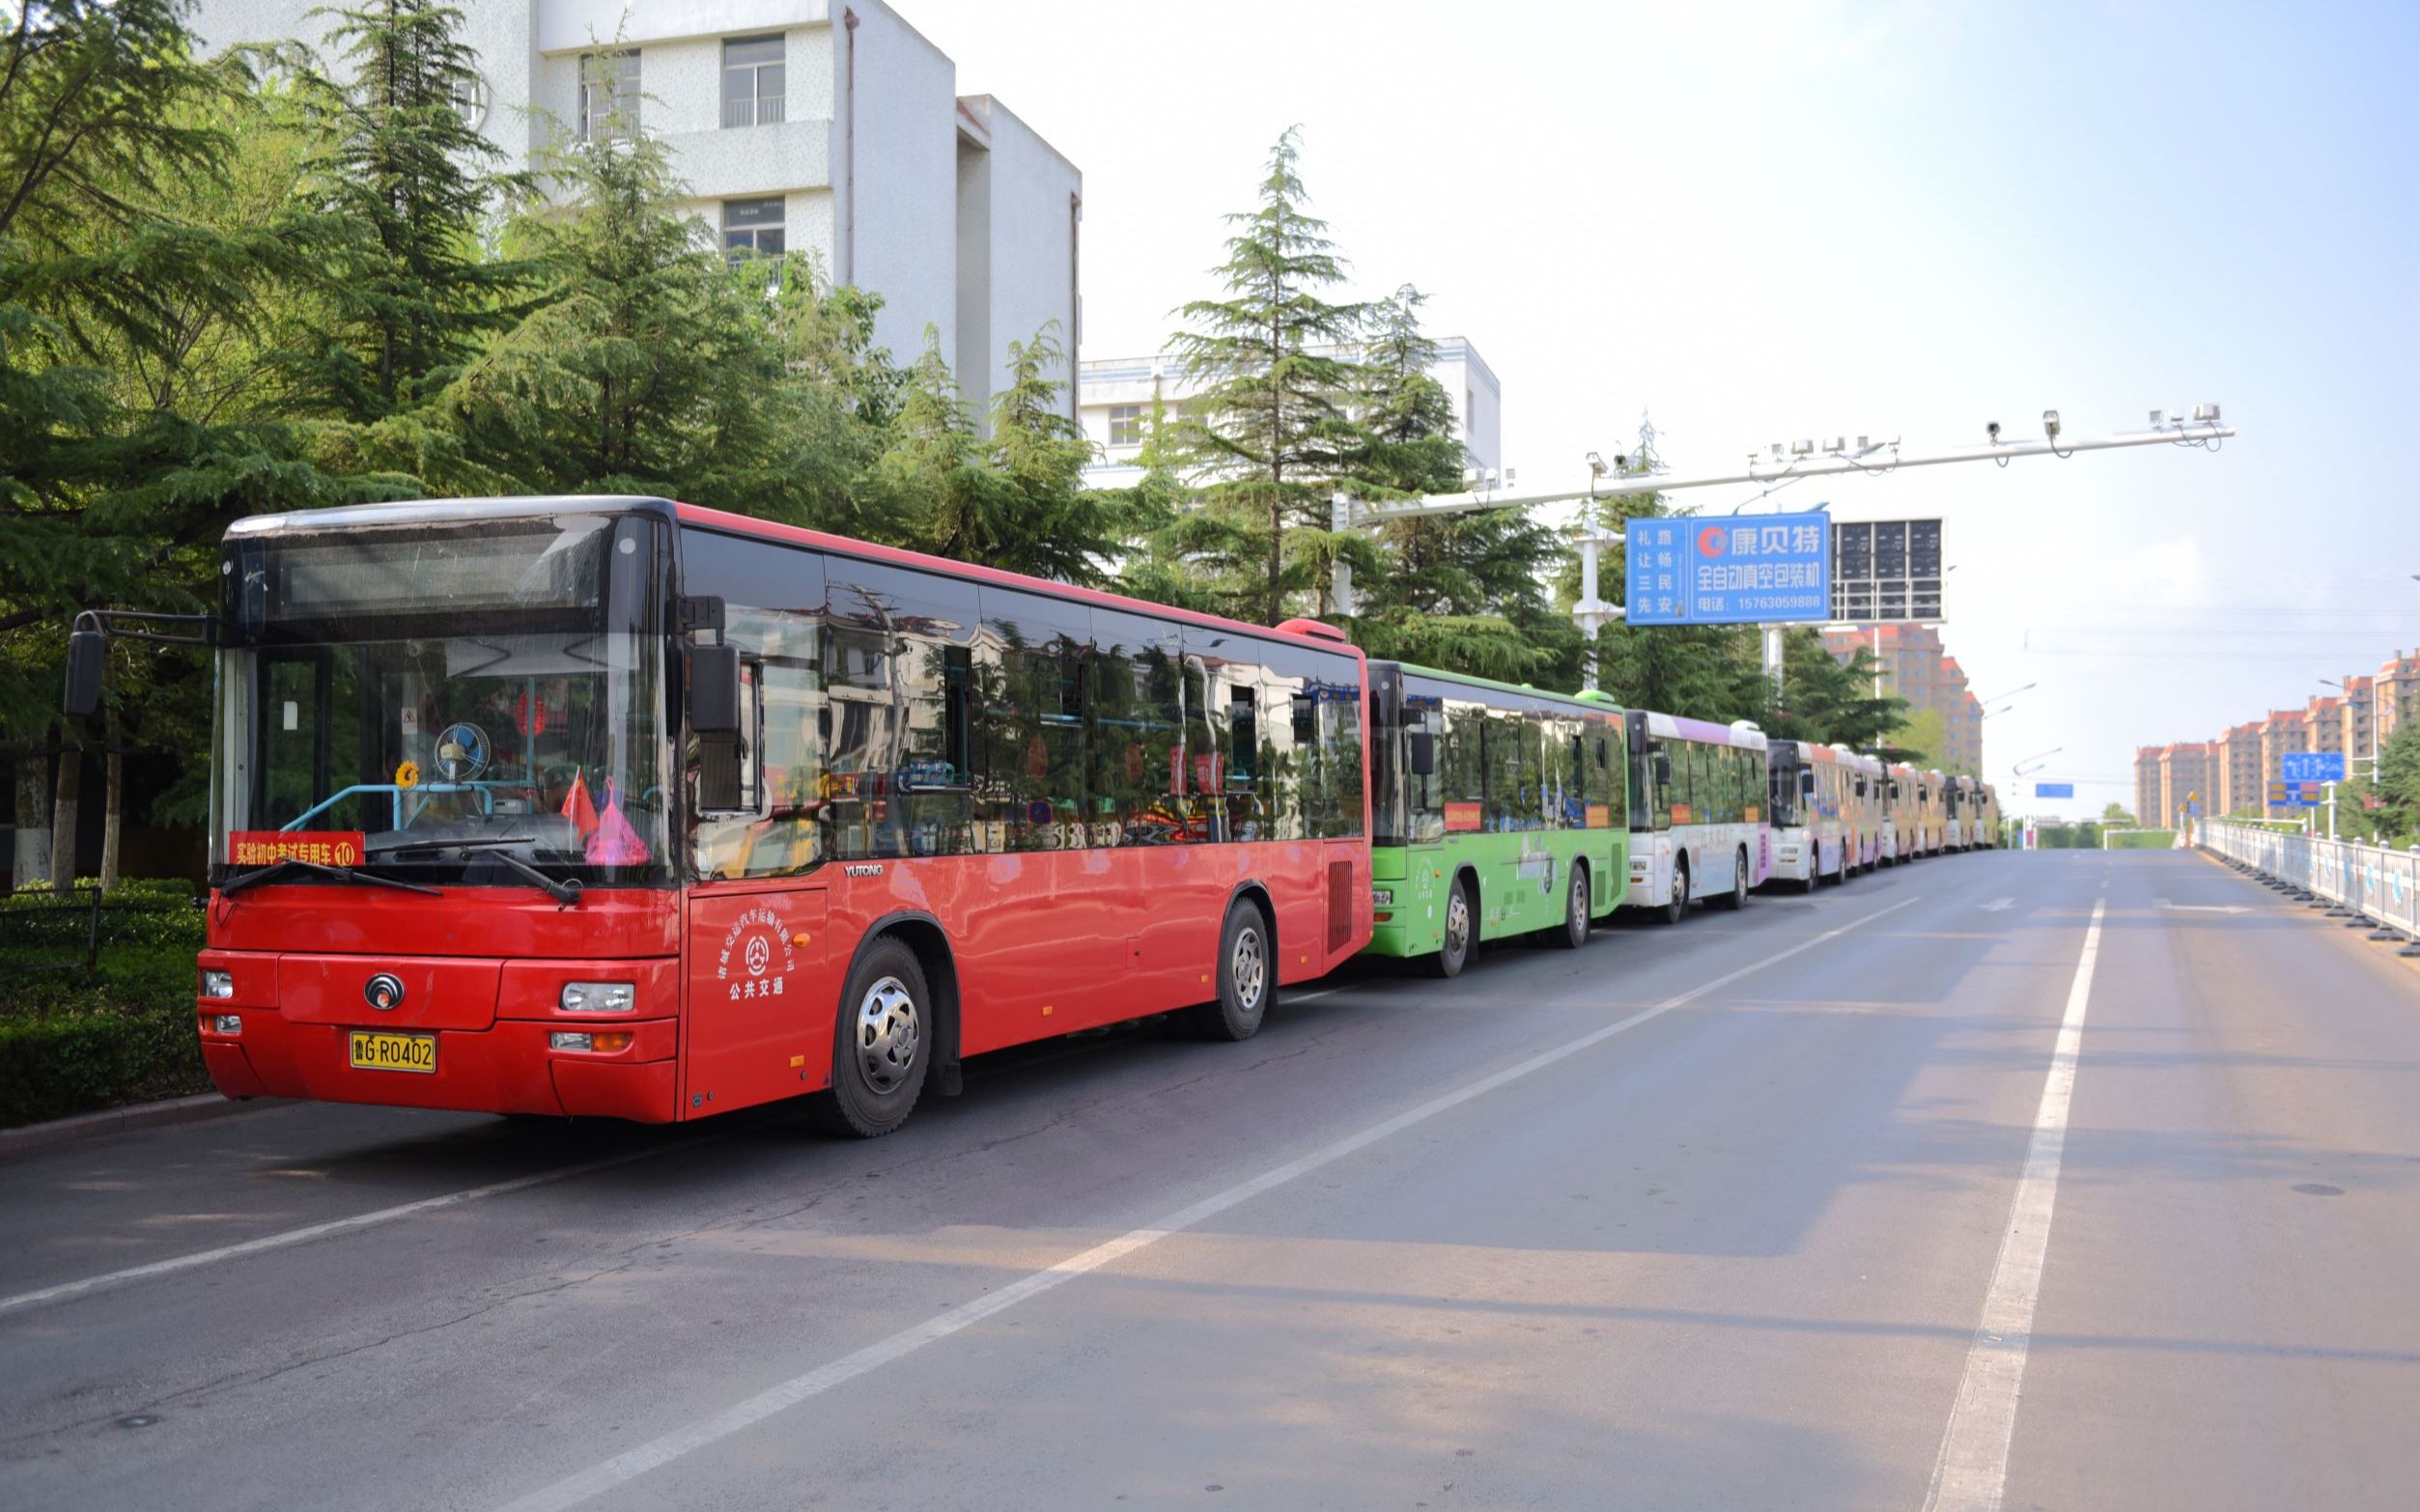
{"x":597,"y":1479}
{"x":1972,"y":1470}
{"x":343,"y":1225}
{"x":2202,"y":907}
{"x":1997,"y":905}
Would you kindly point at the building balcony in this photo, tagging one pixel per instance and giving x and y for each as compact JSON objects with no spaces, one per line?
{"x":785,"y":156}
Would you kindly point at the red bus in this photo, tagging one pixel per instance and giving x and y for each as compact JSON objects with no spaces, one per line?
{"x":623,"y":808}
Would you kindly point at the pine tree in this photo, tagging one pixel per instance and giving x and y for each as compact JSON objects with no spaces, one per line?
{"x":1268,"y":435}
{"x":133,"y":310}
{"x":1829,"y":701}
{"x":404,"y":175}
{"x":648,"y":365}
{"x":1465,"y":592}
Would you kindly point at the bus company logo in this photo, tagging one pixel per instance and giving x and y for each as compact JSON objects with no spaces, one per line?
{"x":1713,"y":541}
{"x":863,"y":869}
{"x":757,"y":945}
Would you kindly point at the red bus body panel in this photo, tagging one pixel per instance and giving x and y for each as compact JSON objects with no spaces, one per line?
{"x":739,"y":983}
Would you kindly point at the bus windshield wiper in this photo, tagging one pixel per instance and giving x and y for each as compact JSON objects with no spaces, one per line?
{"x":285,"y":871}
{"x":566,"y":890}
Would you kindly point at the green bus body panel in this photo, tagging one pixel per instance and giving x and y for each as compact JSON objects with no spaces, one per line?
{"x":1522,"y":874}
{"x":1521,"y":880}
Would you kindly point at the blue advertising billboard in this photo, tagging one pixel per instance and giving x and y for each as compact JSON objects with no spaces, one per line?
{"x":1755,"y":569}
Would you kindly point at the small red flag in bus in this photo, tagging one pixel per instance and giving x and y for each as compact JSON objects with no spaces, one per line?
{"x":578,"y":806}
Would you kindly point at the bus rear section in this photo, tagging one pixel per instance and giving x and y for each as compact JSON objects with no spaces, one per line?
{"x":1497,"y":811}
{"x":479,"y":844}
{"x":1697,"y":801}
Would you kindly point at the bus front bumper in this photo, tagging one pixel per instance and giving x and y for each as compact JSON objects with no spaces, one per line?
{"x":513,"y":1066}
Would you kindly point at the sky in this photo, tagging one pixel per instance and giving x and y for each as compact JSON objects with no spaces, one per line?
{"x":1760,"y":222}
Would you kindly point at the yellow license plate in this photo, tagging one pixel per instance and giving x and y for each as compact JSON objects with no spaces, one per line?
{"x":394,"y":1051}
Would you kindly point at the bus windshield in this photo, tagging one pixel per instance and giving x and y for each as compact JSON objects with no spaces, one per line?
{"x":445,"y":701}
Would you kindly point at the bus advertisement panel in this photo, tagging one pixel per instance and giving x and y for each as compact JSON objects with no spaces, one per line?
{"x":660,"y":812}
{"x":1496,"y":811}
{"x":1698,"y":798}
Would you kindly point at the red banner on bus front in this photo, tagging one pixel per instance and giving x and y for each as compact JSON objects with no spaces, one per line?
{"x":264,"y":846}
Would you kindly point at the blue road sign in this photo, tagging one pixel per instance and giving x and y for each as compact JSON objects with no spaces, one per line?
{"x":2297,"y":794}
{"x":1741,"y":569}
{"x":2054,"y":790}
{"x":2312,"y":767}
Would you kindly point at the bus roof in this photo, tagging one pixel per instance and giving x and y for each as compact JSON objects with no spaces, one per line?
{"x":1750,"y":739}
{"x":771,"y":530}
{"x":410,"y":512}
{"x":1598,"y":705}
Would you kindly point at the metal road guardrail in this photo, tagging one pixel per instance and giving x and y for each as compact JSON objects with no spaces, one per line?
{"x":2369,"y":884}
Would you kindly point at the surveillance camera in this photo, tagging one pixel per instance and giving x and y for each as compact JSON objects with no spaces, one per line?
{"x":1622,"y":462}
{"x":1596,"y":464}
{"x":2050,"y":423}
{"x":1993,"y":429}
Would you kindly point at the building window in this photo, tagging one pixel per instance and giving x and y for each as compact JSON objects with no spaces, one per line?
{"x":752,"y":81}
{"x":608,"y":95}
{"x":1125,"y":425}
{"x":751,"y":228}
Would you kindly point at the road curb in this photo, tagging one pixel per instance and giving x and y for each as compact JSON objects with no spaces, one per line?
{"x":118,"y":1120}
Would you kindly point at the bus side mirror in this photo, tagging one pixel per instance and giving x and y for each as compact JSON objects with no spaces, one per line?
{"x":87,"y":650}
{"x":715,"y":690}
{"x":1423,"y":753}
{"x":1806,"y":783}
{"x":1664,"y":767}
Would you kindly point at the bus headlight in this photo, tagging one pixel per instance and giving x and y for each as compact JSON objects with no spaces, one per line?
{"x":599,"y":996}
{"x":226,"y":1023}
{"x":1382,"y":897}
{"x":218,"y":984}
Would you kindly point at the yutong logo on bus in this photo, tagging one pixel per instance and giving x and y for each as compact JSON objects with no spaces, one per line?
{"x":864,"y":869}
{"x":758,"y":945}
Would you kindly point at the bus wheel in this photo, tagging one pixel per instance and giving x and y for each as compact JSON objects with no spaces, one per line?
{"x":1738,"y":894}
{"x":1246,"y":975}
{"x":1575,"y":913}
{"x":1677,"y":905}
{"x":882,"y":1049}
{"x":1454,"y":952}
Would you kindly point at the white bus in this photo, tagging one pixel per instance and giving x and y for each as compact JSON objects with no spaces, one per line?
{"x":1813,"y":814}
{"x":1698,"y":822}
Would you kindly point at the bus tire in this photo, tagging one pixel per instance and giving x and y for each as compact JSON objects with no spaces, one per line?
{"x":1453,"y":950}
{"x":1676,"y":907}
{"x":1573,"y":932}
{"x":882,"y":1046}
{"x":1738,"y":893}
{"x":1246,"y":975}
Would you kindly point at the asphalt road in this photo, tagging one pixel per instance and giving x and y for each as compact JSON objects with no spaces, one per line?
{"x":2071,"y":1179}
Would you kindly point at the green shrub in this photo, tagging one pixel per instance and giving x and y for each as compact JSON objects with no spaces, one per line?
{"x":59,"y":1063}
{"x":74,"y":1037}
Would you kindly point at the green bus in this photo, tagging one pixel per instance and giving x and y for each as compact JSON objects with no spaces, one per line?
{"x":1497,"y":811}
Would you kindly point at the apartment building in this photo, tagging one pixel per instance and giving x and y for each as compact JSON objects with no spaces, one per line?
{"x":811,"y":125}
{"x":1118,"y":394}
{"x":2397,"y":693}
{"x":1916,"y":667}
{"x":2284,"y":730}
{"x":2240,"y":786}
{"x":2357,"y":726}
{"x":2187,"y":777}
{"x":2146,"y":799}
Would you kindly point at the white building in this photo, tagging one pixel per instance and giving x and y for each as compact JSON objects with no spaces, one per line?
{"x":1116,"y":395}
{"x":798,"y":125}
